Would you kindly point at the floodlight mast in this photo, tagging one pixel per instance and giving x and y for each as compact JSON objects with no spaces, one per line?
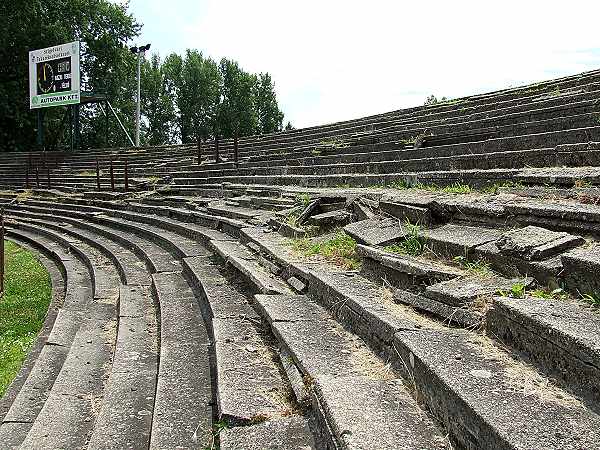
{"x":140,"y":51}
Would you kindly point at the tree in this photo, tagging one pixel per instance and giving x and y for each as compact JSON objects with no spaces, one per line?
{"x":158,"y":106}
{"x":270,"y":117}
{"x":432,"y":100}
{"x":102,"y":27}
{"x":289,"y":126}
{"x":237,"y":114}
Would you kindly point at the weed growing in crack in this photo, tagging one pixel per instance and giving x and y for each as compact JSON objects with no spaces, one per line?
{"x":479,"y":267}
{"x":413,"y":243}
{"x":340,"y":249}
{"x":593,"y":298}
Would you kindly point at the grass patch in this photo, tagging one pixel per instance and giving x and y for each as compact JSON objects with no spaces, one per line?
{"x":340,"y":249}
{"x":582,"y":184}
{"x":547,"y":294}
{"x":413,"y":243}
{"x":593,"y":299}
{"x":23,"y":309}
{"x":303,"y":199}
{"x":479,"y":267}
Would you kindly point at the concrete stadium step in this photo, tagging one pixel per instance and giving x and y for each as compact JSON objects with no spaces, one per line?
{"x":182,"y":409}
{"x":444,"y":379}
{"x":32,"y":394}
{"x":250,"y":387}
{"x":331,"y":357}
{"x":56,"y":269}
{"x":69,"y":411}
{"x":563,"y":338}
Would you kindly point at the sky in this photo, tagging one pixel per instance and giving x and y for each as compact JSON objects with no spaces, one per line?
{"x":336,"y":60}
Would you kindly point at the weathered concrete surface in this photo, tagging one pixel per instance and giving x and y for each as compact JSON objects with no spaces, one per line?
{"x":459,"y":240}
{"x":404,"y":212}
{"x":338,"y":217}
{"x":347,"y":382}
{"x":581,"y":267}
{"x":409,"y":270}
{"x":290,"y":433}
{"x":563,"y":338}
{"x":182,"y":412}
{"x":535,"y":243}
{"x":464,"y":290}
{"x":487,"y":400}
{"x":451,"y":315}
{"x":125,"y":418}
{"x":376,"y":231}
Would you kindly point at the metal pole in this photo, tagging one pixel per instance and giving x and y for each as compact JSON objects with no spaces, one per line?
{"x":235,"y":149}
{"x":217,"y":148}
{"x":48,"y":173}
{"x":37,"y":177}
{"x":126,"y":177}
{"x":112,"y":176}
{"x":137,"y":106}
{"x":27,"y":178}
{"x":106,"y":124}
{"x":97,"y":174}
{"x":1,"y":252}
{"x":199,"y":150}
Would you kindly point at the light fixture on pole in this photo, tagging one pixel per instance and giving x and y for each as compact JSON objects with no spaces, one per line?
{"x":139,"y":51}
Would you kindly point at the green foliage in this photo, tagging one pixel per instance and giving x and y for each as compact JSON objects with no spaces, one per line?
{"x":270,"y":117}
{"x":479,"y":267}
{"x":303,"y":199}
{"x":496,"y":187}
{"x":289,"y":126}
{"x":432,"y":100}
{"x":341,"y":249}
{"x":184,"y":98}
{"x":413,"y":243}
{"x":547,"y":294}
{"x":23,"y":309}
{"x":107,"y":66}
{"x":592,"y":298}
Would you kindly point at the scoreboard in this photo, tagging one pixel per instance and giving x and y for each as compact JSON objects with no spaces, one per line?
{"x":54,"y":76}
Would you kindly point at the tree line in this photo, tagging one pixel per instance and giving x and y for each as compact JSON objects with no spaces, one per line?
{"x":185,"y":98}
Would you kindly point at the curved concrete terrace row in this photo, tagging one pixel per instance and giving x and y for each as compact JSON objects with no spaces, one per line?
{"x":389,"y":376}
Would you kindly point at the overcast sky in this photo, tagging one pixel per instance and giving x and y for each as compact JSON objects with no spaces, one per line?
{"x":337,"y":60}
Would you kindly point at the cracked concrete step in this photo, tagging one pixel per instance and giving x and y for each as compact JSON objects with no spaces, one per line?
{"x":290,"y":433}
{"x":404,"y":270}
{"x":250,"y":387}
{"x":249,"y":266}
{"x":563,"y":338}
{"x":445,"y":364}
{"x":356,"y":395}
{"x":182,"y":409}
{"x":125,"y":419}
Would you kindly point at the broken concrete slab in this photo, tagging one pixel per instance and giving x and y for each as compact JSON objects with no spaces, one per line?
{"x":287,"y":433}
{"x":407,"y":269}
{"x":465,"y":290}
{"x":376,"y":231}
{"x":452,"y":316}
{"x":410,"y":213}
{"x":338,"y":217}
{"x":536,"y":243}
{"x":561,"y":337}
{"x":581,"y":268}
{"x":459,"y":240}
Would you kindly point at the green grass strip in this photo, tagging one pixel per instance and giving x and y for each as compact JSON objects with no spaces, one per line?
{"x":23,"y":308}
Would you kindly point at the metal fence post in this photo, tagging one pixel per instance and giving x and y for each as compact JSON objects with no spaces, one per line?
{"x":48,"y":174}
{"x":97,"y":174}
{"x":37,"y":177}
{"x":217,"y":149}
{"x":235,"y":150}
{"x":112,"y":176}
{"x":1,"y":252}
{"x":199,"y":150}
{"x":126,"y":176}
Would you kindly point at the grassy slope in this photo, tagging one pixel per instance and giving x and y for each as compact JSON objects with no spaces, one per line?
{"x":22,"y":309}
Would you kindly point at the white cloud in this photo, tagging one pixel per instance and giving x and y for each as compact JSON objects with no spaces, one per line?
{"x":335,"y":60}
